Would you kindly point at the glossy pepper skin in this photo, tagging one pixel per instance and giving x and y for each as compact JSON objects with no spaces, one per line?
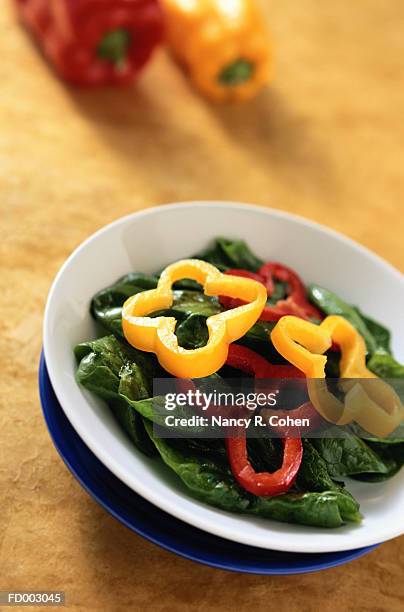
{"x":296,"y":302}
{"x":223,"y":44}
{"x":264,"y":484}
{"x":375,"y":406}
{"x":95,"y":42}
{"x":157,"y":334}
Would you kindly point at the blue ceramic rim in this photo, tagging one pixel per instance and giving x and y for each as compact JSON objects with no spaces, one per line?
{"x":315,"y":562}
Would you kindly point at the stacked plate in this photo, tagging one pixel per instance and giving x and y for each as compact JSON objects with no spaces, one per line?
{"x":142,"y":494}
{"x":158,"y":526}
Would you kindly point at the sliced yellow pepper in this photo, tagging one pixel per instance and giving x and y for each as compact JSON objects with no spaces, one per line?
{"x":157,"y":335}
{"x":375,"y":406}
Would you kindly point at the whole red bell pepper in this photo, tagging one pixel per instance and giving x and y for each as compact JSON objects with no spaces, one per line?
{"x":295,"y":304}
{"x":95,"y":42}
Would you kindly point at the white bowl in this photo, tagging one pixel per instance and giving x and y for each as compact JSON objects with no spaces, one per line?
{"x":147,"y":241}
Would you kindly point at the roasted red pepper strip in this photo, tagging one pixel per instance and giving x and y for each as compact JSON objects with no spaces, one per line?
{"x":295,"y":304}
{"x":95,"y":42}
{"x":260,"y":483}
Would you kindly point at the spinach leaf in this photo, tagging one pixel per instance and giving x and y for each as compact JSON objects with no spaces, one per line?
{"x":325,"y":509}
{"x":381,"y":334}
{"x":280,"y":292}
{"x":313,"y":476}
{"x":195,"y":302}
{"x":106,"y":306}
{"x":385,"y":366}
{"x":393,"y":457}
{"x":203,"y":447}
{"x":206,"y":479}
{"x":313,"y":473}
{"x":396,"y":437}
{"x":395,"y":452}
{"x":120,"y":374}
{"x":330,"y":304}
{"x":132,"y":423}
{"x":265,"y":454}
{"x":153,"y":409}
{"x":114,"y":371}
{"x":226,"y":253}
{"x":107,"y":365}
{"x":376,"y":336}
{"x":192,"y":333}
{"x":258,"y":339}
{"x":214,"y":484}
{"x":346,"y":455}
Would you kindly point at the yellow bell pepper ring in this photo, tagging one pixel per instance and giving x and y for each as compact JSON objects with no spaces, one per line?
{"x":157,"y":335}
{"x":375,"y":406}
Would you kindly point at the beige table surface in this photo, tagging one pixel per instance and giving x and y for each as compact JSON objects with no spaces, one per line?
{"x":326,"y":141}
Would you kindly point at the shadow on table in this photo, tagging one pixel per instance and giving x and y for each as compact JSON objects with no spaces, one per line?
{"x":149,"y":130}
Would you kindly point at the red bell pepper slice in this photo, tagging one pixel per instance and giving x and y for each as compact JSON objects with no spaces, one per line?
{"x":297,"y":294}
{"x":261,"y":483}
{"x":295,"y":304}
{"x":265,"y":484}
{"x":250,"y":362}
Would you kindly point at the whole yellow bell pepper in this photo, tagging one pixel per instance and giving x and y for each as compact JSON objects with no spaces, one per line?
{"x":157,"y":335}
{"x":223,"y":44}
{"x":375,"y":405}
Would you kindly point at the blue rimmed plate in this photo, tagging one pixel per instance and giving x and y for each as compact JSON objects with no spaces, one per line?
{"x":159,"y":527}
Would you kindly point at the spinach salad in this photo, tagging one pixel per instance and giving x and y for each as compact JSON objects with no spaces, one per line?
{"x":123,"y":377}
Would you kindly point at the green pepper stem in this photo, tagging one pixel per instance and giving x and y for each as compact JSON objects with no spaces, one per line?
{"x":114,"y":46}
{"x":236,"y":73}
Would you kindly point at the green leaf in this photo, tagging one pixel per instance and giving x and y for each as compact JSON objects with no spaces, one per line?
{"x":192,"y":333}
{"x":345,"y":455}
{"x":258,"y":339}
{"x":376,"y":336}
{"x":385,"y":366}
{"x":265,"y":454}
{"x":214,"y":484}
{"x":106,"y":306}
{"x":132,"y":423}
{"x":396,"y":437}
{"x":120,"y":375}
{"x":206,"y":479}
{"x":325,"y":509}
{"x":393,"y":457}
{"x":313,"y":474}
{"x":102,"y":364}
{"x":226,"y":253}
{"x":381,"y":334}
{"x":280,"y":292}
{"x":195,"y":302}
{"x":331,"y":304}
